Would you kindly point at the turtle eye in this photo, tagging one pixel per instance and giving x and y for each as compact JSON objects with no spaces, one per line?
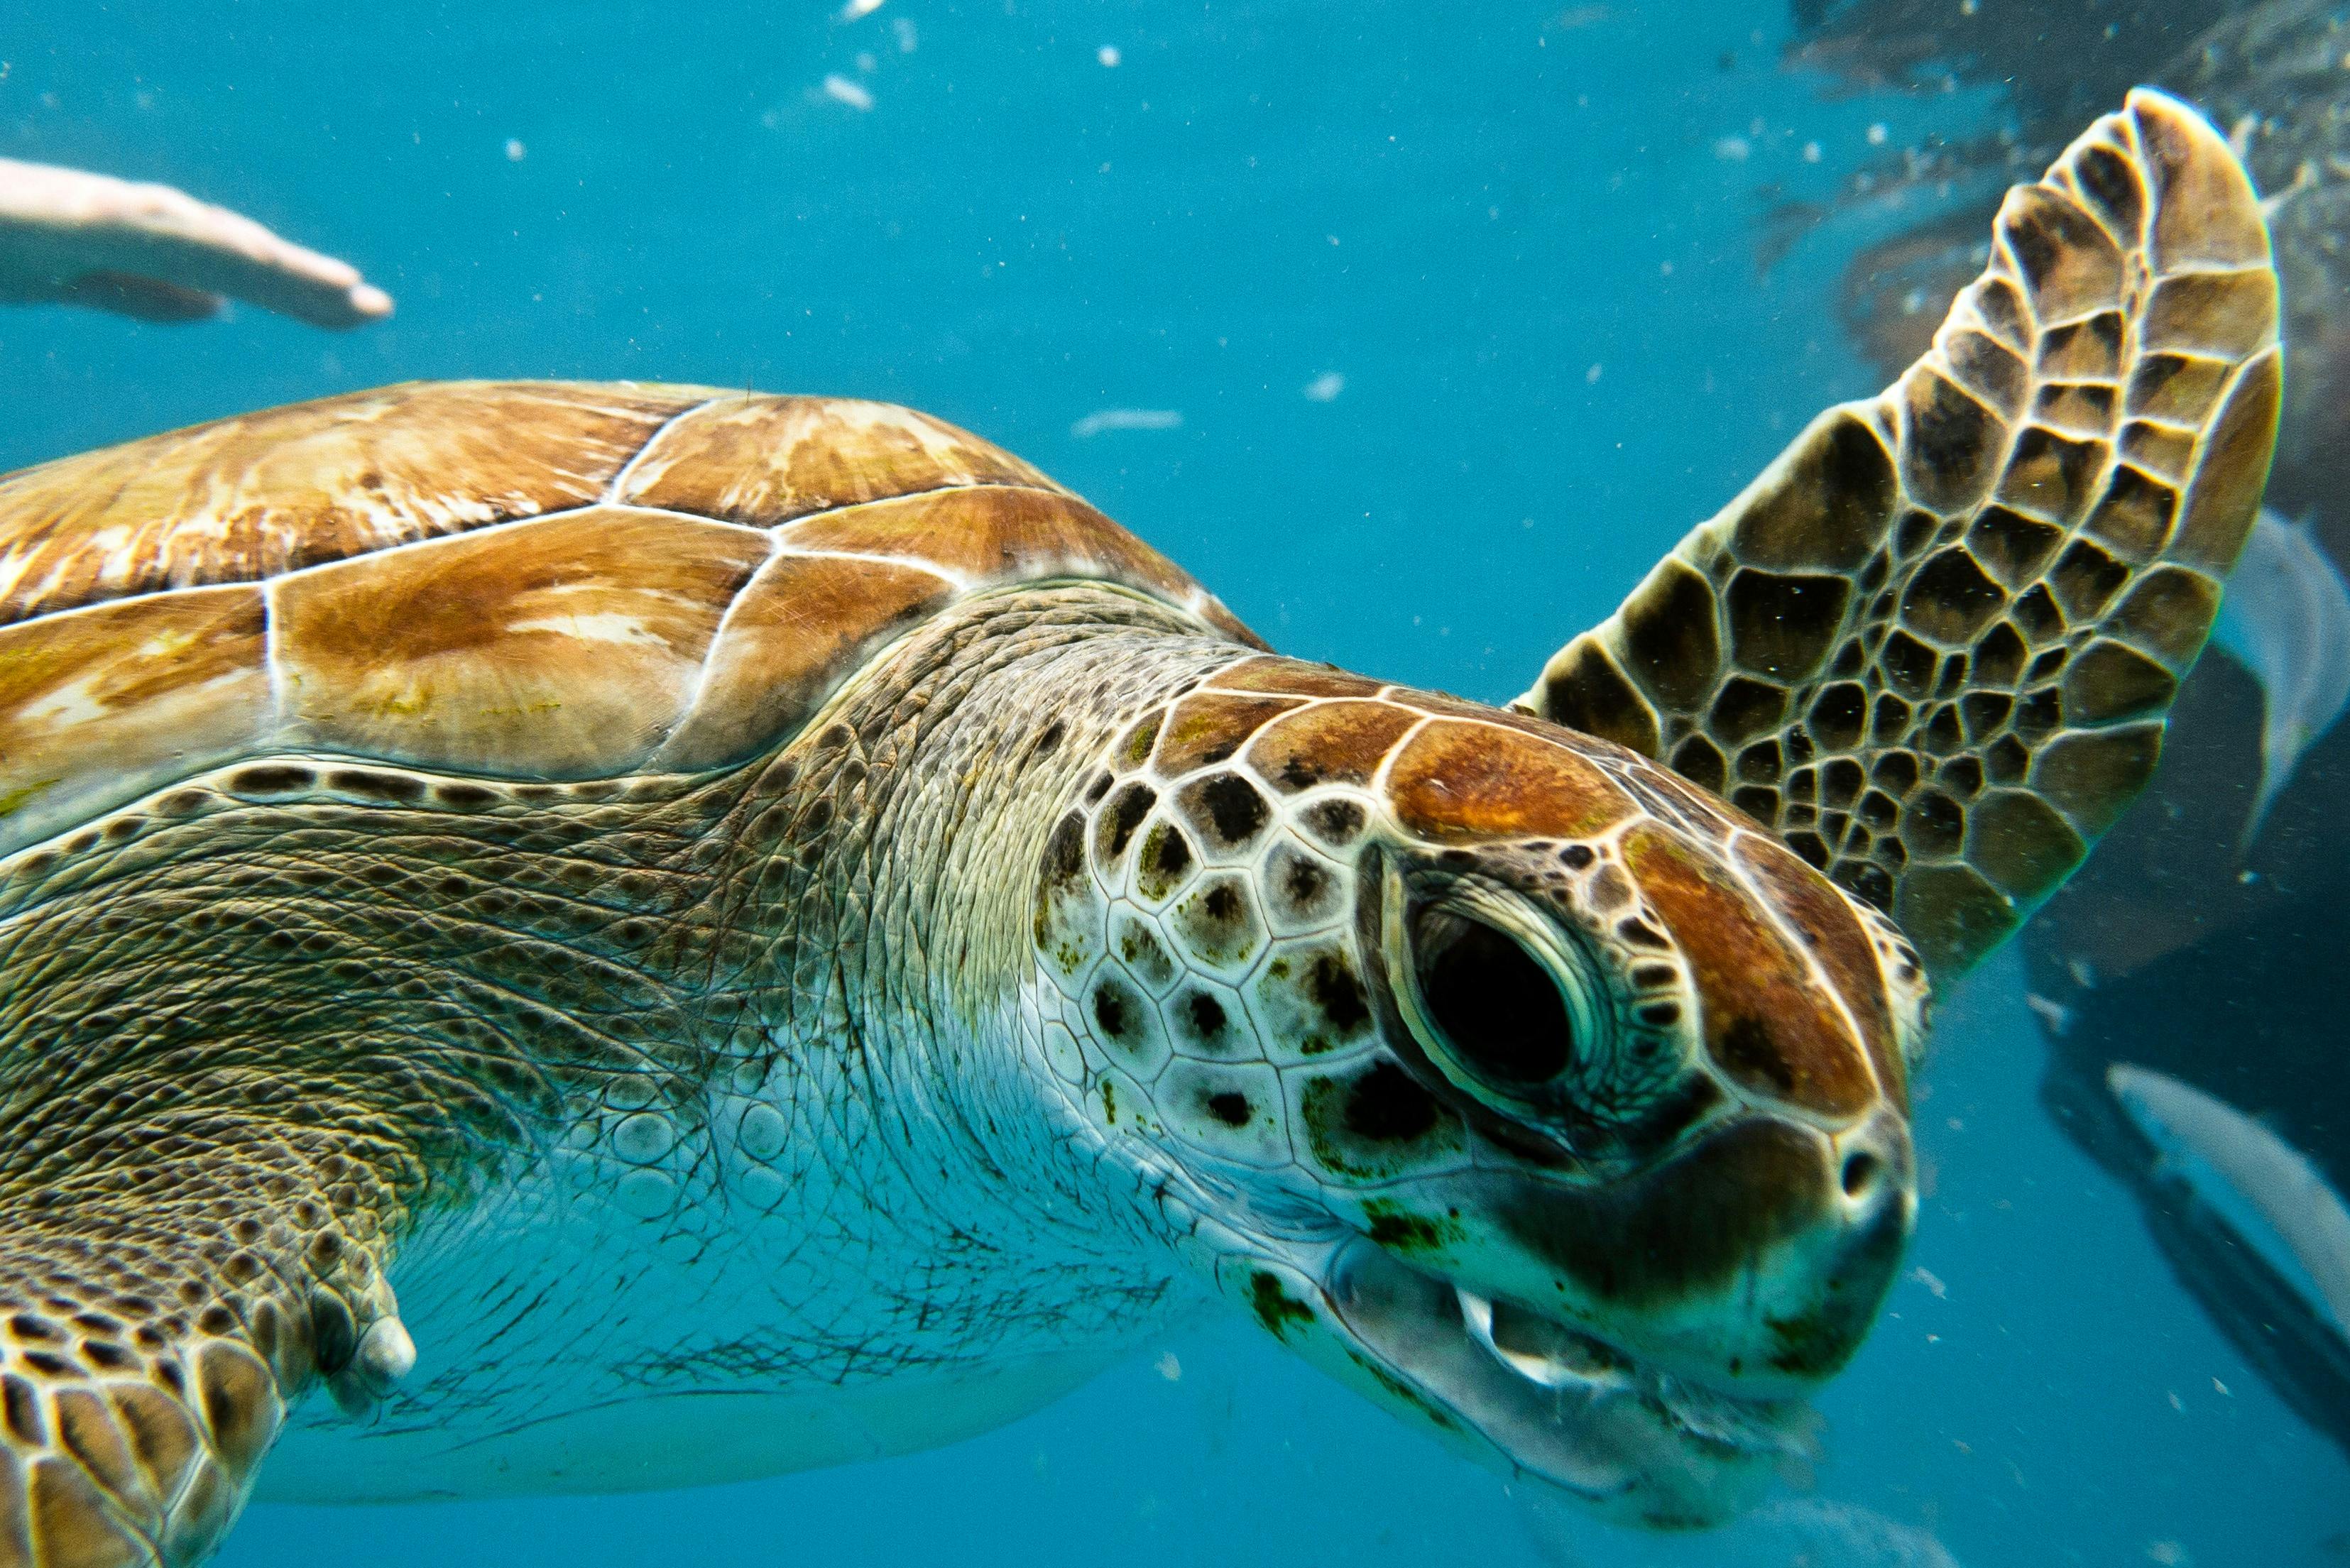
{"x":1498,"y":1012}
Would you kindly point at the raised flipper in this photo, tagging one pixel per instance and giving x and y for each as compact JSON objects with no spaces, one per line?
{"x":1934,"y":643}
{"x":164,"y":1297}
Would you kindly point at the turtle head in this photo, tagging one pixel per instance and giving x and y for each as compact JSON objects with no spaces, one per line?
{"x":1526,"y":1087}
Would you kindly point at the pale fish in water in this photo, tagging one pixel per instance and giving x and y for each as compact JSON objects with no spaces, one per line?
{"x":2286,"y":618}
{"x":1101,"y":420}
{"x":2266,"y":1189}
{"x":1813,"y":1531}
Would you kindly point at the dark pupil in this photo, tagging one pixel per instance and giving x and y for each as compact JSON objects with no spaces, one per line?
{"x":1497,"y":1006}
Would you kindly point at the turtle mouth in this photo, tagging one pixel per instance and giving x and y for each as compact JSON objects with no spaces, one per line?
{"x":1559,"y":1403}
{"x":1576,"y":1364}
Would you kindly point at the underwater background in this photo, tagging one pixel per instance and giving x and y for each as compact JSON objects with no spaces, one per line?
{"x":1418,"y":333}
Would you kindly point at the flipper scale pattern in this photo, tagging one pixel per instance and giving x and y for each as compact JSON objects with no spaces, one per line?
{"x":1932,"y":645}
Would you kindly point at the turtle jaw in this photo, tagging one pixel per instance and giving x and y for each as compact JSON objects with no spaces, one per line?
{"x":1540,"y":1400}
{"x":1666,"y":1395}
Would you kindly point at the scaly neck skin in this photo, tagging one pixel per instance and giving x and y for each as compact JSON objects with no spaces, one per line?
{"x":930,"y":787}
{"x":742,"y":1059}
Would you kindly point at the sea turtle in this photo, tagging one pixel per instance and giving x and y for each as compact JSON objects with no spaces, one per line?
{"x":788,"y":936}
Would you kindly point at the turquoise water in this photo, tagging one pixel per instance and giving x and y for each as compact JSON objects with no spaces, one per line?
{"x":1523,"y":240}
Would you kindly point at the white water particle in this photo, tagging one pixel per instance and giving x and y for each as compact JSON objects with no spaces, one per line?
{"x":1101,"y":420}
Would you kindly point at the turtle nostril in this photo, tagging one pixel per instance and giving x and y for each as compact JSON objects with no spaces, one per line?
{"x":1861,"y":1170}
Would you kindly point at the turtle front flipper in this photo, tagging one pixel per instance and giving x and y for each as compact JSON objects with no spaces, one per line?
{"x":1933,"y":645}
{"x":160,"y":1310}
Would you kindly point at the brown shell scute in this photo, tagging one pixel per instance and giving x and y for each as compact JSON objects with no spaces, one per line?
{"x":546,"y":650}
{"x":801,"y":621}
{"x":245,"y":499}
{"x":126,"y":697}
{"x":764,"y":461}
{"x":519,"y":580}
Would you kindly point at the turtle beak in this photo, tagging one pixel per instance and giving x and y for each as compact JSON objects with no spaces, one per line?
{"x":1637,"y":1447}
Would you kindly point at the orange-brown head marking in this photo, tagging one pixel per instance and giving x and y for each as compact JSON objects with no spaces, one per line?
{"x":1533,"y":1020}
{"x":1767,"y":1021}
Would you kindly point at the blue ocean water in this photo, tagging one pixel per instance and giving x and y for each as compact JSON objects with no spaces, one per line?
{"x":1459,"y":311}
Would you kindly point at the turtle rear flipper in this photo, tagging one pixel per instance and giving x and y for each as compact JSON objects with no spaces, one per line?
{"x":1934,"y":643}
{"x":154,"y":1331}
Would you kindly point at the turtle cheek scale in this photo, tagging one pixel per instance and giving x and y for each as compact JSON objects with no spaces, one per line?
{"x":1621,"y":1279}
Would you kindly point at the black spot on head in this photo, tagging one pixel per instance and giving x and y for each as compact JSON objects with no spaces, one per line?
{"x":1215,"y":921}
{"x":272,"y":779}
{"x":1384,"y":1105}
{"x":1098,"y":788}
{"x":1337,"y":823}
{"x":1061,"y":875}
{"x":1299,"y":885}
{"x":1640,"y":934}
{"x":1110,"y":1013}
{"x":1229,"y":1107}
{"x":1136,"y":748}
{"x":396,"y":787}
{"x":1064,"y":852}
{"x":1276,"y":1307}
{"x":1204,"y":1017}
{"x":1121,"y":817}
{"x":1404,"y":1233}
{"x":1577,"y":856}
{"x":1227,"y":809}
{"x":1166,"y":856}
{"x":1143,"y":952}
{"x":1332,"y":985}
{"x":1050,"y":741}
{"x":464,"y":796}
